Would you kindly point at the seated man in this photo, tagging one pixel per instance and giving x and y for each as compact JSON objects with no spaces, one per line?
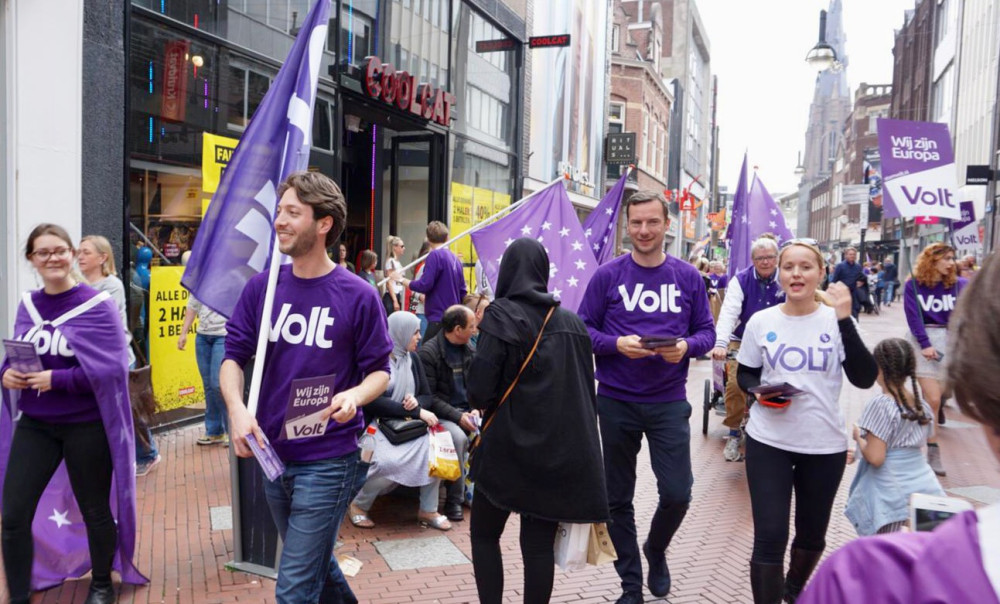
{"x":446,"y":358}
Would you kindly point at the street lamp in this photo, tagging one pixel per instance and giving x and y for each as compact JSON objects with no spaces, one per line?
{"x":822,"y":56}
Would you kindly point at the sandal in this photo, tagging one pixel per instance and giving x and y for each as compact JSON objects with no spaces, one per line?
{"x":359,"y":518}
{"x":434,"y":520}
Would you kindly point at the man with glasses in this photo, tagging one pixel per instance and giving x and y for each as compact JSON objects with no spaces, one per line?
{"x":849,"y":272}
{"x":751,"y":290}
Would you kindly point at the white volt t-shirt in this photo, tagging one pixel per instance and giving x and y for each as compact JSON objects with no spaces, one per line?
{"x":806,"y":352}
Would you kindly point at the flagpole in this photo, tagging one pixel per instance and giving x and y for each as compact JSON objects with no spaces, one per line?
{"x":265,"y":328}
{"x":478,"y":226}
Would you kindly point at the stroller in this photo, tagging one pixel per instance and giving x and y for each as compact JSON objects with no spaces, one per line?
{"x":864,"y":298}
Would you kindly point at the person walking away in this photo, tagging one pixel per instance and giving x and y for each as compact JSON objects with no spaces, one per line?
{"x":929,"y":297}
{"x":893,"y":427}
{"x":539,"y":454}
{"x":210,"y":349}
{"x":393,"y":297}
{"x":751,"y":290}
{"x":849,"y":272}
{"x":325,"y":322}
{"x":646,"y":293}
{"x":958,"y":561}
{"x":797,"y":445}
{"x":442,"y":282}
{"x":75,"y":410}
{"x":891,"y":280}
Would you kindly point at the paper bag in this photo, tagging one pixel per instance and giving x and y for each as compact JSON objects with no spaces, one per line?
{"x":600,"y":550}
{"x":571,"y":545}
{"x":443,"y":462}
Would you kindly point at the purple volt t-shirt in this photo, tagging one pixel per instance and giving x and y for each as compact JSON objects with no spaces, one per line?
{"x":623,"y":299}
{"x":929,"y":306}
{"x":332,"y":324}
{"x":442,"y":282}
{"x":71,"y":398}
{"x":718,"y":281}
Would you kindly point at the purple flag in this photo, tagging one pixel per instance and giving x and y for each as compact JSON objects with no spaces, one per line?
{"x":235,"y":238}
{"x":918,"y":170}
{"x":760,"y":215}
{"x":738,"y":256}
{"x":599,"y":227}
{"x":548,"y":217}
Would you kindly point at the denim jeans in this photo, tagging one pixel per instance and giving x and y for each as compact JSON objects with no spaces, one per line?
{"x":307,"y":504}
{"x":210,"y":350}
{"x":890,"y":289}
{"x":668,"y":433}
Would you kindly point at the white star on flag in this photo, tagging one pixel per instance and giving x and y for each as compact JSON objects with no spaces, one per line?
{"x":553,"y":269}
{"x":546,"y":226}
{"x":743,"y":218}
{"x":572,"y":281}
{"x":774,"y":212}
{"x":588,"y":232}
{"x":608,"y":211}
{"x":597,"y":246}
{"x":539,"y":239}
{"x":60,"y":518}
{"x":580,"y":265}
{"x":577,"y":246}
{"x":526,"y":230}
{"x":557,"y":292}
{"x":508,"y":242}
{"x":564,"y":232}
{"x":772,"y":224}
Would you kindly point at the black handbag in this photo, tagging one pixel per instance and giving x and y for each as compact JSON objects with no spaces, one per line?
{"x":399,"y":430}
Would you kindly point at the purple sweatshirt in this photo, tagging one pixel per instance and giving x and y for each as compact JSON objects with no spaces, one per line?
{"x":929,"y":306}
{"x":719,"y":281}
{"x":71,"y":398}
{"x":624,"y":299}
{"x":442,"y":282}
{"x":332,"y":324}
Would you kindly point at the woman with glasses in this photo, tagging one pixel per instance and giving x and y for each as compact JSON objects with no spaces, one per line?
{"x":797,"y":443}
{"x":71,"y":407}
{"x":393,"y":290}
{"x":929,"y":297}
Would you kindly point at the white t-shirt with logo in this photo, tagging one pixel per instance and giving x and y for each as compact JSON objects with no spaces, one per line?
{"x":806,"y":352}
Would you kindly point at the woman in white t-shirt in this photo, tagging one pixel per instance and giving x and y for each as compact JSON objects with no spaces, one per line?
{"x":798,"y":444}
{"x":394,"y":248}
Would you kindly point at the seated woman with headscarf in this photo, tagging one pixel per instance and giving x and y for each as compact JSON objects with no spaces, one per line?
{"x":404,"y":464}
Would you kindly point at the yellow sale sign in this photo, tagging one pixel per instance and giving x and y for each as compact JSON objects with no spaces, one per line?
{"x":176,"y":381}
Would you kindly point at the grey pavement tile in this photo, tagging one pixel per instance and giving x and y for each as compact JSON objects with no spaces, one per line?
{"x":981,"y":493}
{"x":405,"y":554}
{"x":222,"y":517}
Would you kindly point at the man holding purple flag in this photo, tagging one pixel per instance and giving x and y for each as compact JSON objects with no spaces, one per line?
{"x":549,"y":218}
{"x":441,"y":281}
{"x":647,"y":314}
{"x":325,"y":323}
{"x":234,"y":240}
{"x":599,"y":227}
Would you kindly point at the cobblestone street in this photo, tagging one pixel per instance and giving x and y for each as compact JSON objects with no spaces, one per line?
{"x":185,"y":558}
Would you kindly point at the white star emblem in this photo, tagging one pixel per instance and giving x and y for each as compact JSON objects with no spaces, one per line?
{"x":743,"y":218}
{"x":546,"y":225}
{"x":597,"y":247}
{"x":564,"y":232}
{"x":508,"y":242}
{"x":553,"y":269}
{"x":774,"y":212}
{"x":557,"y":292}
{"x":608,"y":211}
{"x":59,"y":518}
{"x":572,"y":281}
{"x":605,"y":240}
{"x":577,"y":246}
{"x":611,"y":225}
{"x":772,"y":224}
{"x":587,"y":232}
{"x":499,"y":258}
{"x":580,"y":265}
{"x":526,"y":230}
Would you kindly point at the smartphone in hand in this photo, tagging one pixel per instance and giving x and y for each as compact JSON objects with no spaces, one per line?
{"x":928,"y":511}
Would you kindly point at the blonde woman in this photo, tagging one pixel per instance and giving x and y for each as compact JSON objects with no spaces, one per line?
{"x":394,"y":248}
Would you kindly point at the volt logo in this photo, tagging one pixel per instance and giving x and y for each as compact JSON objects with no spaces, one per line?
{"x":935,"y":304}
{"x":793,"y":358}
{"x":294,"y":328}
{"x":50,"y":342}
{"x":666,"y":300}
{"x":941,"y":197}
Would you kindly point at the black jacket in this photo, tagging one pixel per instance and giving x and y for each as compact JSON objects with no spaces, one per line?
{"x":383,"y":406}
{"x":439,"y":375}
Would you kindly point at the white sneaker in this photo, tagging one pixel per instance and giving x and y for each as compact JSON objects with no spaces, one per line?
{"x":732,"y":450}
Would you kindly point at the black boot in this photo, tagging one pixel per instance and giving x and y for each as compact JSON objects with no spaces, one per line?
{"x":101,"y":592}
{"x":766,"y":581}
{"x":799,"y":570}
{"x":666,"y":520}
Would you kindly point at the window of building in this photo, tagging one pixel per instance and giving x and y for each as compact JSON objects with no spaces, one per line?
{"x":616,"y":33}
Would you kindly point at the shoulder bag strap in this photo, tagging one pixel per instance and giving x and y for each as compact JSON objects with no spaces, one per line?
{"x":523,"y":365}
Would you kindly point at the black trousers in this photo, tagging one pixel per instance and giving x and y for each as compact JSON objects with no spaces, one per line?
{"x":772,"y":475}
{"x":538,"y":537}
{"x":433,"y":327}
{"x":35,"y":453}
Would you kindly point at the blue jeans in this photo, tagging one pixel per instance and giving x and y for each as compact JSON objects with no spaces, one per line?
{"x":890,"y":288}
{"x":210,"y":350}
{"x":307,"y":504}
{"x":668,"y":432}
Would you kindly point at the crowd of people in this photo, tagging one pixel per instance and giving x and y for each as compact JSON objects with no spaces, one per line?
{"x":545,"y":409}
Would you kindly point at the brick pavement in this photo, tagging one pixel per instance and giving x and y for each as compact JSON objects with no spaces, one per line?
{"x":708,"y":558}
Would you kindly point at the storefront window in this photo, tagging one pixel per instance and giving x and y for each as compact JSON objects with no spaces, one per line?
{"x":206,"y":15}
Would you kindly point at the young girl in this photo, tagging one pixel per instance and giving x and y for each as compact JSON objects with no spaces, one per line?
{"x":892,"y":428}
{"x":798,"y":445}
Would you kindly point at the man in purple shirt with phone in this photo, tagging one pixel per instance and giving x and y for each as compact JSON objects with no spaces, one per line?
{"x":634,"y":306}
{"x":325,"y":321}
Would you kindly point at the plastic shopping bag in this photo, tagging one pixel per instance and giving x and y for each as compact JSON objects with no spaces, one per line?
{"x":571,"y":545}
{"x":443,"y":460}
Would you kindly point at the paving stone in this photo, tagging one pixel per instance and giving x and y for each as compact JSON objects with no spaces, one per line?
{"x":405,"y":554}
{"x":222,"y":517}
{"x":980,"y":493}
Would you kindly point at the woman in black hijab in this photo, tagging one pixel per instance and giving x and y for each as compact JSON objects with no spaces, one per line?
{"x":539,"y":454}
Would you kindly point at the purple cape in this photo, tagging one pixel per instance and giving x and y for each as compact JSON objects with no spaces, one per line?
{"x":61,"y":550}
{"x":907,"y":568}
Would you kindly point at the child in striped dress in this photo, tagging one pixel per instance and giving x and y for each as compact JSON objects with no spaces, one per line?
{"x":893,"y":426}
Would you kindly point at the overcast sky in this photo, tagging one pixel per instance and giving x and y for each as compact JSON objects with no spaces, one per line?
{"x":765,"y":86}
